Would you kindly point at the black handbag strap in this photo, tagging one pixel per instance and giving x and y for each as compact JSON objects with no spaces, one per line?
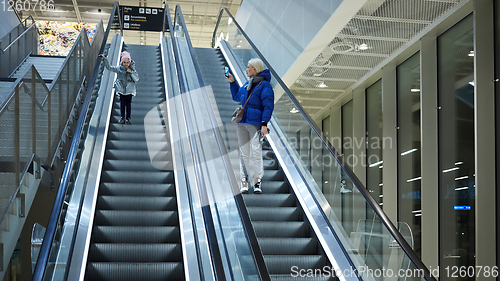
{"x":251,"y":92}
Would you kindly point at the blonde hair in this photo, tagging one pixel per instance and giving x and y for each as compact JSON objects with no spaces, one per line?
{"x":257,"y":64}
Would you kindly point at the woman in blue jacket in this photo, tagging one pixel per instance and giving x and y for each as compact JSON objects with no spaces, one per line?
{"x":258,"y":112}
{"x":126,"y":79}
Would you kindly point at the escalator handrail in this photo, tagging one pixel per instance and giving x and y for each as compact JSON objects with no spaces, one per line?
{"x":362,"y":189}
{"x":243,"y":212}
{"x":43,"y":255}
{"x":207,"y":213}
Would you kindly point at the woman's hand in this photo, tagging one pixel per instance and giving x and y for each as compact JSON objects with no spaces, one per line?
{"x":230,"y":77}
{"x":264,"y":131}
{"x":101,"y":56}
{"x":129,"y":70}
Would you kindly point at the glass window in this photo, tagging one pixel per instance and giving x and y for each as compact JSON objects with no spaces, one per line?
{"x":456,"y":147}
{"x":497,"y":113}
{"x":409,"y":147}
{"x":374,"y":141}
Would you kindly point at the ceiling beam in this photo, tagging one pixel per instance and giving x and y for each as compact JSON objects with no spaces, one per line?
{"x":358,"y":54}
{"x":343,"y":67}
{"x":328,"y":79}
{"x":387,"y":19}
{"x":77,"y":11}
{"x":375,"y":38}
{"x":305,"y":98}
{"x":294,"y":89}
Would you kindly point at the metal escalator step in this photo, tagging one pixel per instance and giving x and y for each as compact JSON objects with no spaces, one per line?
{"x":138,"y":127}
{"x":114,"y":252}
{"x":107,"y":271}
{"x":279,"y":213}
{"x":133,"y":166}
{"x":273,"y":175}
{"x":294,"y":275}
{"x":134,"y":145}
{"x":280,"y":229}
{"x":125,"y":135}
{"x":130,"y":155}
{"x":136,"y":234}
{"x":288,"y":246}
{"x":136,"y":218}
{"x":137,"y":177}
{"x":282,"y":264}
{"x":136,"y":203}
{"x":269,"y":200}
{"x":136,"y":189}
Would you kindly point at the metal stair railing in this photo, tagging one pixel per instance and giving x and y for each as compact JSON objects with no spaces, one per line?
{"x":50,"y":245}
{"x":34,"y":127}
{"x":292,"y":121}
{"x":17,"y":45}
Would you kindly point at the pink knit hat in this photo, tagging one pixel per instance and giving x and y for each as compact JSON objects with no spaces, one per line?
{"x":126,"y":56}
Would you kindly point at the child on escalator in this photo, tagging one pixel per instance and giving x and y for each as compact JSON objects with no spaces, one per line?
{"x":125,"y":86}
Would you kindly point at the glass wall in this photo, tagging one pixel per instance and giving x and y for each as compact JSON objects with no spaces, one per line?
{"x":456,"y":147}
{"x":374,"y":141}
{"x":409,"y":147}
{"x":346,"y":195}
{"x":497,"y":113}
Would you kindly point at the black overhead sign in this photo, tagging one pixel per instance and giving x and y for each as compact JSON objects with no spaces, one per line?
{"x":141,"y":18}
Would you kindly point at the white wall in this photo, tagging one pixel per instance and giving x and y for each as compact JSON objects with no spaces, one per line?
{"x":282,"y":29}
{"x":8,"y":20}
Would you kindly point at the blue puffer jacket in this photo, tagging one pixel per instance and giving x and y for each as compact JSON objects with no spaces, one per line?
{"x":125,"y":82}
{"x":261,"y":104}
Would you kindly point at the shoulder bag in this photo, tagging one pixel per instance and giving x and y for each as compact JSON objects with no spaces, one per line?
{"x":240,"y":111}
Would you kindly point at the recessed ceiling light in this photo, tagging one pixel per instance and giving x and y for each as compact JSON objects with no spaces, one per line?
{"x":294,"y":110}
{"x":471,"y":54}
{"x":363,"y":47}
{"x":322,"y":85}
{"x":415,"y":90}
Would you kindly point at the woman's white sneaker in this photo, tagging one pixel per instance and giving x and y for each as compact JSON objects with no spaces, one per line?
{"x":256,"y":188}
{"x":244,"y":186}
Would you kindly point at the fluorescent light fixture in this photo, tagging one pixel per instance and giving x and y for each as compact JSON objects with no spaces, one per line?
{"x":381,"y":204}
{"x":326,"y":181}
{"x":461,"y":188}
{"x":472,"y":83}
{"x":238,"y":46}
{"x":322,"y":85}
{"x":459,"y":163}
{"x":294,"y":110}
{"x":418,"y":215}
{"x":415,"y":90}
{"x":229,"y":21}
{"x":416,"y":211}
{"x":381,"y":184}
{"x":381,"y":195}
{"x":380,"y":167}
{"x":462,"y":178}
{"x":471,"y":54}
{"x":452,"y":169}
{"x":414,"y":179}
{"x":363,"y":47}
{"x":376,"y":164}
{"x":408,"y":152}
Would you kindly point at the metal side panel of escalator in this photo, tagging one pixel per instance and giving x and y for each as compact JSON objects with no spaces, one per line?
{"x":135,"y":233}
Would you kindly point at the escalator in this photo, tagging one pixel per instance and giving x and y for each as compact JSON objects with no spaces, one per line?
{"x":283,"y":233}
{"x":136,"y":233}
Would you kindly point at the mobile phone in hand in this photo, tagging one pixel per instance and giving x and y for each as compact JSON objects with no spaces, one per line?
{"x":226,"y":71}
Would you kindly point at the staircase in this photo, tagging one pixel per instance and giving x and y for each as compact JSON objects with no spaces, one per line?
{"x":136,"y":233}
{"x":284,"y":235}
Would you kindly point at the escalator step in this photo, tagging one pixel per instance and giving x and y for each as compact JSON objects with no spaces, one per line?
{"x":111,"y":252}
{"x":107,"y":271}
{"x":142,"y":177}
{"x":136,"y":218}
{"x":134,"y":145}
{"x":280,"y":229}
{"x":136,"y":234}
{"x":269,"y":200}
{"x":136,"y":189}
{"x":288,"y":246}
{"x":294,"y":275}
{"x":279,"y":213}
{"x":136,"y":203}
{"x":134,"y":166}
{"x":282,"y":264}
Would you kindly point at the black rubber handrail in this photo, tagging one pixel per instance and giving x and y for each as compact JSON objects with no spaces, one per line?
{"x":246,"y":222}
{"x":43,"y":256}
{"x":362,"y":189}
